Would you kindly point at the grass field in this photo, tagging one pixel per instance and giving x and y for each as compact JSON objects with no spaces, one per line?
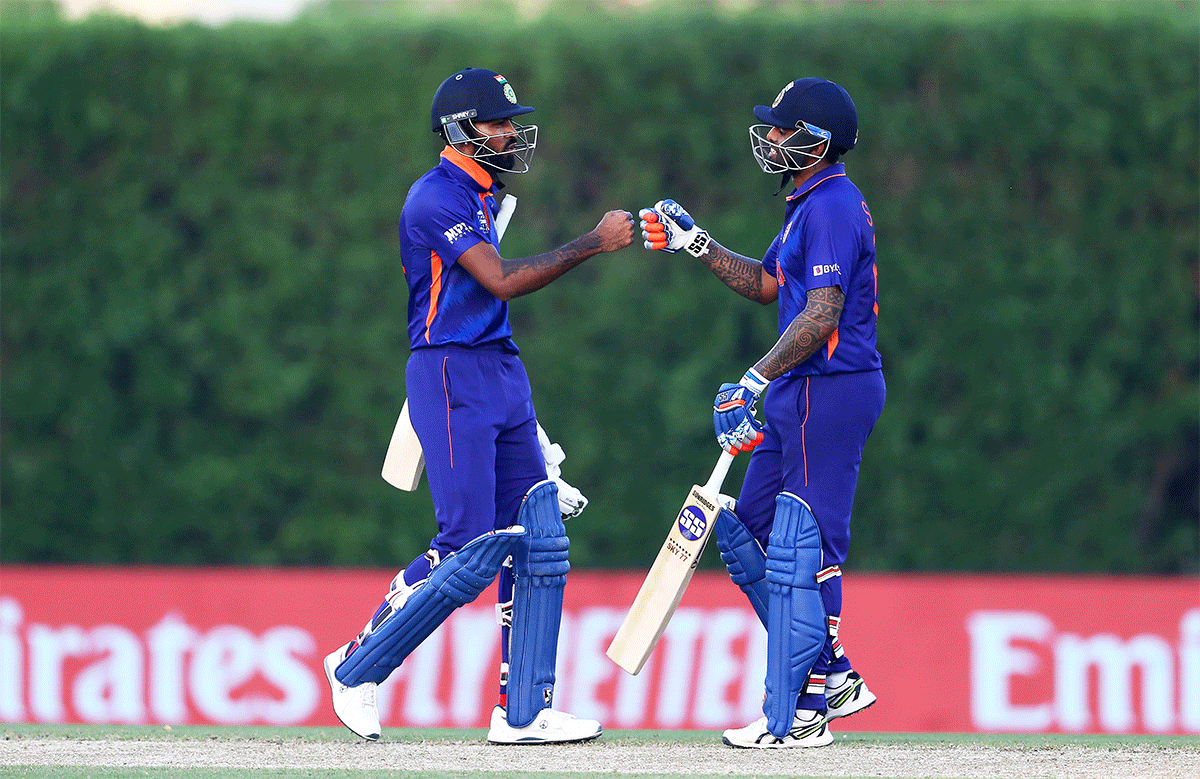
{"x":57,"y":751}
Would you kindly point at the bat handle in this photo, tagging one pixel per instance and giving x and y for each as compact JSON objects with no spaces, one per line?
{"x":713,"y":485}
{"x":507,"y":206}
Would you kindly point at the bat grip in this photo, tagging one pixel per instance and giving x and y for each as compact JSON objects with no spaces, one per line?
{"x":713,"y":485}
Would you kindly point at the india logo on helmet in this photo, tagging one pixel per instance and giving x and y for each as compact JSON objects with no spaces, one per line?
{"x":782,"y":92}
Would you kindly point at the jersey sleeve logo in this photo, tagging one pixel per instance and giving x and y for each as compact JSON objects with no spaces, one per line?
{"x":821,"y":270}
{"x":456,"y":232}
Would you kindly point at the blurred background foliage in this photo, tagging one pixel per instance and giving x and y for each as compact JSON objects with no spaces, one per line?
{"x":203,"y":335}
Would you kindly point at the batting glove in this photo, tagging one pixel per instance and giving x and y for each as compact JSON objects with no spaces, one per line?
{"x":733,"y":413}
{"x":571,"y":502}
{"x":667,"y":227}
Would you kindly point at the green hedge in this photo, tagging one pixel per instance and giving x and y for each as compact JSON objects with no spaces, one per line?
{"x":203,"y":311}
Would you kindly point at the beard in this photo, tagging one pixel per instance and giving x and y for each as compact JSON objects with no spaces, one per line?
{"x":505,"y":158}
{"x":508,"y":159}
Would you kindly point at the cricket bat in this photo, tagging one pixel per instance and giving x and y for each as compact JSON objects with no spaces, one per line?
{"x":405,"y":461}
{"x":669,"y":576}
{"x":507,"y":206}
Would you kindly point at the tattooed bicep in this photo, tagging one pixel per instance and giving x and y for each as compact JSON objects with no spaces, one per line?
{"x":831,"y":295}
{"x":825,"y":304}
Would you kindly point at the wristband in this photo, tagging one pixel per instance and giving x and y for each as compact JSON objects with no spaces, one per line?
{"x":755,"y":381}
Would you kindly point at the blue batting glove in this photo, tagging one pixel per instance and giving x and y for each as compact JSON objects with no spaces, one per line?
{"x":737,"y":428}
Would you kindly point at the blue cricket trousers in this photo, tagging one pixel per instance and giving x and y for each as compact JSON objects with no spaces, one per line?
{"x":472,"y":411}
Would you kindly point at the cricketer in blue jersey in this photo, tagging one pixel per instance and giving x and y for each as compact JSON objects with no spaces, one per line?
{"x":785,"y":538}
{"x":469,"y":401}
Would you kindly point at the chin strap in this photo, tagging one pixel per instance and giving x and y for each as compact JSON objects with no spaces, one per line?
{"x":787,"y":176}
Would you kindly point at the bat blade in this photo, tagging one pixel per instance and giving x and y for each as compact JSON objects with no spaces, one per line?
{"x":668,"y":578}
{"x":405,"y":461}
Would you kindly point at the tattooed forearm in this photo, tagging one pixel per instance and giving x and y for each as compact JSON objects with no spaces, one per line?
{"x":564,"y":258}
{"x":807,"y":332}
{"x":741,"y":274}
{"x":508,"y":279}
{"x":528,"y":274}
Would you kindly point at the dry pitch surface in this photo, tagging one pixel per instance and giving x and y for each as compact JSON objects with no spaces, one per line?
{"x":207,"y":752}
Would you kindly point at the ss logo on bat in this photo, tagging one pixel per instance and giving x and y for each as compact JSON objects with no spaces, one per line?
{"x":692,"y":523}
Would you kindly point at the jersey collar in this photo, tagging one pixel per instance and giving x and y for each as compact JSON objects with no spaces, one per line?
{"x":481,"y":177}
{"x":833,"y":171}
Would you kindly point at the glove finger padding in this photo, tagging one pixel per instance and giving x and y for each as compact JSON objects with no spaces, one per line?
{"x":727,"y":444}
{"x":571,"y":502}
{"x":654,"y":231}
{"x":749,"y":434}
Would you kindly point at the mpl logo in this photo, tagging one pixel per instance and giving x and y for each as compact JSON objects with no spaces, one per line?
{"x":456,"y":232}
{"x":692,"y":523}
{"x":820,"y":270}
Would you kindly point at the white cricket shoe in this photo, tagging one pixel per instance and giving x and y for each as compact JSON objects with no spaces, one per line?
{"x":354,"y":706}
{"x":812,"y":731}
{"x":851,"y":697}
{"x":548,"y":727}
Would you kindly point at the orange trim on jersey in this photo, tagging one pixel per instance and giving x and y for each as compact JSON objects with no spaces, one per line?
{"x":446,"y":389}
{"x":473,"y":168}
{"x":815,"y":184}
{"x":831,"y":344}
{"x":803,"y":437}
{"x":435,"y":290}
{"x":875,"y":270}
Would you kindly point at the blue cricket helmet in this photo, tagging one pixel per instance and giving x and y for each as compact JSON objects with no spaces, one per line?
{"x":815,"y":104}
{"x":475,"y":94}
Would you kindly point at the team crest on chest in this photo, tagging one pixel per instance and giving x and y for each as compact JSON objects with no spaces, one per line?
{"x":483,"y":221}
